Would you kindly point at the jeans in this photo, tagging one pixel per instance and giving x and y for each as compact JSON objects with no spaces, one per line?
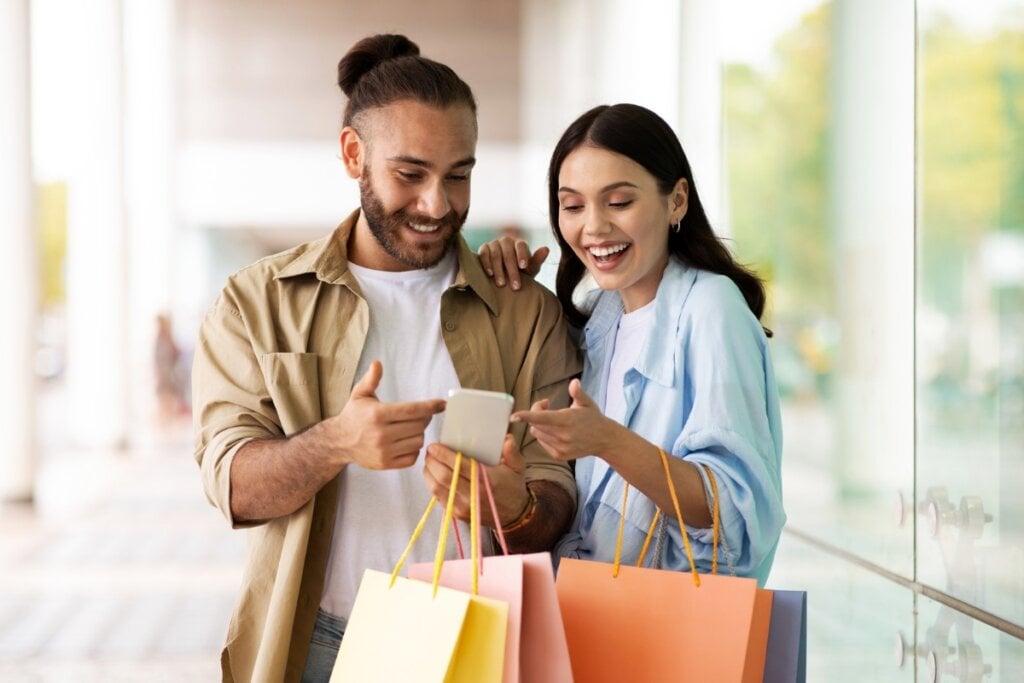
{"x":323,"y":648}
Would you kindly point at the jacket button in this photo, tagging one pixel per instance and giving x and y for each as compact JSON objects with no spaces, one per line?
{"x":449,"y":325}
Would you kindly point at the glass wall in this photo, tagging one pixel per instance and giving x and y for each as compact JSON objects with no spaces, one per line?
{"x":970,"y":303}
{"x":819,"y":165}
{"x":873,"y":172}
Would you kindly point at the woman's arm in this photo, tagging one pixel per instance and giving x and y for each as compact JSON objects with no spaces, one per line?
{"x":581,"y":430}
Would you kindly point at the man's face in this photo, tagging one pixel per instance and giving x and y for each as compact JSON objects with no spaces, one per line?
{"x":413,"y":162}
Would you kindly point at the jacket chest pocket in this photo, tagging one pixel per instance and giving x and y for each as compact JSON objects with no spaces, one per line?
{"x":294,"y":385}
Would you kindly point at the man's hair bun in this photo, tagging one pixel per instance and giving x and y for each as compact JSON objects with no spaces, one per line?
{"x":368,"y":53}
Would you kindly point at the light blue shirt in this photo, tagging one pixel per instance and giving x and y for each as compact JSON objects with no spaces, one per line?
{"x":704,"y":390}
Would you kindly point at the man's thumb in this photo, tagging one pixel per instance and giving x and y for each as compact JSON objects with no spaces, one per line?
{"x":366,"y":387}
{"x":510,"y":455}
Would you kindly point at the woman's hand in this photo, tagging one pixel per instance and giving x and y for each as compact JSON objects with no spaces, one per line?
{"x":504,"y":257}
{"x":573,"y":432}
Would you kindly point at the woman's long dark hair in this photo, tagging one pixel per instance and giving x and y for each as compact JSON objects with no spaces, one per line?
{"x":644,"y":137}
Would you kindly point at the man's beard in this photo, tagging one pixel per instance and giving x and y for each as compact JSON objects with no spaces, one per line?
{"x":388,"y":229}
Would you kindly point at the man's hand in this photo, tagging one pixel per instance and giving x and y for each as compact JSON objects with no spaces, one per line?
{"x":380,"y":436}
{"x":508,"y":483}
{"x":504,"y":257}
{"x":275,"y":477}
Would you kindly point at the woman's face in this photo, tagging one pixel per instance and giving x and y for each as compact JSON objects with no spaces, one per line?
{"x":612,"y":214}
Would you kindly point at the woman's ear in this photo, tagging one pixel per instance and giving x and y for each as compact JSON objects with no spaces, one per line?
{"x":353,"y":151}
{"x":679,"y":200}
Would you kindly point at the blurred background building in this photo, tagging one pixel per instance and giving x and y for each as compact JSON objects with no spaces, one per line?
{"x":865,"y":156}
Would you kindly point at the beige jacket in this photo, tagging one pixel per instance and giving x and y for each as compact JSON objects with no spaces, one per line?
{"x":277,"y":352}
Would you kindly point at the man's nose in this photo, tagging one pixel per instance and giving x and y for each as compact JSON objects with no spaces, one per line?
{"x":433,"y":201}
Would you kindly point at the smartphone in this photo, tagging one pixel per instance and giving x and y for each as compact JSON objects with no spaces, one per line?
{"x":475,"y":422}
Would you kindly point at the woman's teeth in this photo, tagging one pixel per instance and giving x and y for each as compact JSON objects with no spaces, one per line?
{"x":604,"y":252}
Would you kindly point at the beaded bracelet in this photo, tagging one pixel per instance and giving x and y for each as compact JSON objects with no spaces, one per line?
{"x":531,"y":508}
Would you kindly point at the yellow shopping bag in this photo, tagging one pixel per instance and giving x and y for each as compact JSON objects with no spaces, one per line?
{"x":406,"y":630}
{"x":535,"y":646}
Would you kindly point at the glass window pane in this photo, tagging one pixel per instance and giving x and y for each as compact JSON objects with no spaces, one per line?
{"x":970,"y":317}
{"x":819,"y":175}
{"x":860,"y":626}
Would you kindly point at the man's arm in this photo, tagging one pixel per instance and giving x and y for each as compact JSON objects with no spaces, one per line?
{"x":551,"y":483}
{"x":275,"y":477}
{"x":544,"y":521}
{"x":251,"y":471}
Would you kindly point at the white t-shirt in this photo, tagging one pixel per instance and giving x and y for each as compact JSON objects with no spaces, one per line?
{"x":629,"y":339}
{"x":378,"y":510}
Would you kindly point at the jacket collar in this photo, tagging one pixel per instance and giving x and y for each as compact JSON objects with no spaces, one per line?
{"x":327,"y":258}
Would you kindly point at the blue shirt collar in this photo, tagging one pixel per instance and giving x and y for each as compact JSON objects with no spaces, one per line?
{"x":657,"y":360}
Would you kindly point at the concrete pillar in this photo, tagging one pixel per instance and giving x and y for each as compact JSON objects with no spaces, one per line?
{"x":698,"y":93}
{"x":149,"y":188}
{"x":872,"y":212}
{"x":97,"y":283}
{"x":19,"y":272}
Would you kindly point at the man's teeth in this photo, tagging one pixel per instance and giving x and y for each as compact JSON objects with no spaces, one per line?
{"x":418,"y":227}
{"x":607,"y":251}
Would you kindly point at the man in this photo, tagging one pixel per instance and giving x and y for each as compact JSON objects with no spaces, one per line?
{"x":319,"y":372}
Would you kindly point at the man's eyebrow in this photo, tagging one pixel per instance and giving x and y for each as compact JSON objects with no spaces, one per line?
{"x":416,"y":161}
{"x":606,"y":188}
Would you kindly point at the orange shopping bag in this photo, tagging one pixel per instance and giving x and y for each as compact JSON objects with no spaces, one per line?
{"x":535,"y":645}
{"x":413,"y":631}
{"x":637,"y":624}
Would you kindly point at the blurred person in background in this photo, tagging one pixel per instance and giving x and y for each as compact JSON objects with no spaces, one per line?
{"x":168,"y":373}
{"x":319,"y":371}
{"x":676,"y":361}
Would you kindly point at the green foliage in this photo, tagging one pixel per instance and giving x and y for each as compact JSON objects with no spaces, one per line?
{"x":776,"y":146}
{"x":971,"y":142}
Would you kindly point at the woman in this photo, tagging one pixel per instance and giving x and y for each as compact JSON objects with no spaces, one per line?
{"x":675,"y":356}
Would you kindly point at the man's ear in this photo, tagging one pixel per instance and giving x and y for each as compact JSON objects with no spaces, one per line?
{"x":680,"y":200}
{"x":353,"y":151}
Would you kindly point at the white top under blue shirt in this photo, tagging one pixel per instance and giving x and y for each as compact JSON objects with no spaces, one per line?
{"x":702,"y":388}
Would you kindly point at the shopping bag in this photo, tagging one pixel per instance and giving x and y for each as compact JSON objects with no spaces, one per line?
{"x":535,"y":645}
{"x":786,"y":660}
{"x":544,"y":653}
{"x":536,"y":650}
{"x":405,"y":630}
{"x":639,"y":624}
{"x":502,"y":579}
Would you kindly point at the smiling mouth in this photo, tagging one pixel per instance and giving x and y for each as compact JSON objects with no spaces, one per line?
{"x":425,"y":229}
{"x":604,"y":254}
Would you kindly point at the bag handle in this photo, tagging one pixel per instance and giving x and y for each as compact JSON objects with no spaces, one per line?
{"x":716,"y":526}
{"x":475,"y":472}
{"x":494,"y":512}
{"x":494,"y":516}
{"x":715,"y":523}
{"x":447,"y":521}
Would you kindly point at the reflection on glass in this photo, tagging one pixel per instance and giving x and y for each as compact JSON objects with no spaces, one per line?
{"x":970,"y":317}
{"x":838,"y":261}
{"x":953,"y":647}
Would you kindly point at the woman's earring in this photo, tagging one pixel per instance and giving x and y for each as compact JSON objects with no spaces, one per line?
{"x":677,"y":226}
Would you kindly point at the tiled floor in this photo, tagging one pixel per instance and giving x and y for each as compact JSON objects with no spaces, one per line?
{"x":123,"y":572}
